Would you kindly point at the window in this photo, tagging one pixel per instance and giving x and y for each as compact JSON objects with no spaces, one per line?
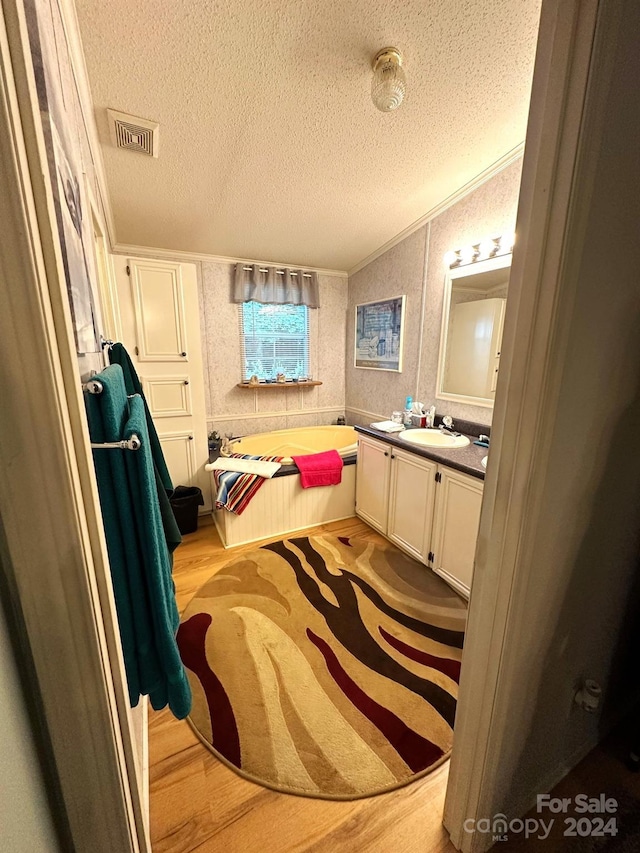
{"x":274,"y":339}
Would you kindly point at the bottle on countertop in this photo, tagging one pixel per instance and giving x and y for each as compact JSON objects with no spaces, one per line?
{"x":431,"y":417}
{"x":407,"y":410}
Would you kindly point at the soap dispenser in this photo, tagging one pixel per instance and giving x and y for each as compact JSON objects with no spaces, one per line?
{"x":407,"y":410}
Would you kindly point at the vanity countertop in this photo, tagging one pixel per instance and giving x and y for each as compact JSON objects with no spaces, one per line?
{"x":465,"y":459}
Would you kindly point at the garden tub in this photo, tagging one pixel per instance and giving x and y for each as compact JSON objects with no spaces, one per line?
{"x":299,"y":442}
{"x":282,"y":506}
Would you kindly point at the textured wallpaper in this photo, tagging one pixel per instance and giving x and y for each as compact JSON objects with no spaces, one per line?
{"x":415,"y":267}
{"x":400,"y":271}
{"x":238,"y":411}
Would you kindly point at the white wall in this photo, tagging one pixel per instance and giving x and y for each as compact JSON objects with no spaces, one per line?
{"x":26,"y":825}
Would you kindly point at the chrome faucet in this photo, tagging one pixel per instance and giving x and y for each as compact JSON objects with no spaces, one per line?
{"x":447,"y":426}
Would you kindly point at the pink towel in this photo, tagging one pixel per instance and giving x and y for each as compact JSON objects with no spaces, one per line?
{"x":320,"y":469}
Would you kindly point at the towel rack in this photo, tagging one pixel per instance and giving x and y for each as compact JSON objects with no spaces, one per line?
{"x":93,"y":386}
{"x":132,"y":443}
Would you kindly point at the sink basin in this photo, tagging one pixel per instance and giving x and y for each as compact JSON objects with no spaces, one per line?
{"x":483,"y":461}
{"x":433,"y":438}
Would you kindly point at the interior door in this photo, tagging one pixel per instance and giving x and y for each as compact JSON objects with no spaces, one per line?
{"x":473,"y":346}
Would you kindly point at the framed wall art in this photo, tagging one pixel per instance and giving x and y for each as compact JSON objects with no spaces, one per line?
{"x":378,"y":334}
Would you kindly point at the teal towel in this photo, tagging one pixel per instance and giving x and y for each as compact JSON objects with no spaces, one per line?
{"x":119,"y":355}
{"x":110,"y":478}
{"x":157,"y":564}
{"x":139,"y":558}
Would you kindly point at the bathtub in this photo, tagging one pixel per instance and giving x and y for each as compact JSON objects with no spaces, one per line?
{"x":282,"y":506}
{"x":299,"y":442}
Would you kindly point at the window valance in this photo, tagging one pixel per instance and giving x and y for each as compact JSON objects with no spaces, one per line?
{"x":275,"y":286}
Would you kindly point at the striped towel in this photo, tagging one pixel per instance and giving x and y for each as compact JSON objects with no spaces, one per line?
{"x":235,"y":490}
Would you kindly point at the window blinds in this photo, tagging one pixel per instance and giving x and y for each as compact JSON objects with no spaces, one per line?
{"x":274,"y":339}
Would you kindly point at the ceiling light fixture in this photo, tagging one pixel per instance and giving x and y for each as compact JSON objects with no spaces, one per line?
{"x":389,"y":82}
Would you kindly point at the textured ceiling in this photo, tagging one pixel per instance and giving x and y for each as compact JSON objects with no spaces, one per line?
{"x":270,"y":146}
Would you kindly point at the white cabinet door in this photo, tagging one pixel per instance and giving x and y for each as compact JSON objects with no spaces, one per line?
{"x":455,"y":527}
{"x":168,"y":396}
{"x":372,"y":482}
{"x":160,"y":317}
{"x":411,"y":497}
{"x":179,"y":453}
{"x":158,"y":296}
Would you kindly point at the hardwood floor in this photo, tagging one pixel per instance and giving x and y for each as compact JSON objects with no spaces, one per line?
{"x":197,"y":803}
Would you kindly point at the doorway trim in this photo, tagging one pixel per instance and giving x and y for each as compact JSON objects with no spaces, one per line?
{"x":55,"y":560}
{"x":541,"y":287}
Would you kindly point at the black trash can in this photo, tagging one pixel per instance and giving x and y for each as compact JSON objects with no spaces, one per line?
{"x":185,"y":501}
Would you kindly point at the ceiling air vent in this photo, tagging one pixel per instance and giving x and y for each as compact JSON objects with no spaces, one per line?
{"x":133,"y":133}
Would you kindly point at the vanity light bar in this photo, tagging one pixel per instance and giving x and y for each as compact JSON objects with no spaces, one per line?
{"x":490,"y":247}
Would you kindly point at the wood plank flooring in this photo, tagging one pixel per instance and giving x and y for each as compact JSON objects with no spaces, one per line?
{"x":197,"y":803}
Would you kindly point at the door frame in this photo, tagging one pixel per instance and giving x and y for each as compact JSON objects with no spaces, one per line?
{"x":57,"y":563}
{"x":571,"y":67}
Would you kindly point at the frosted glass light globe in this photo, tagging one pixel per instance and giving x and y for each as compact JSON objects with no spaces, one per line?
{"x":389,"y":81}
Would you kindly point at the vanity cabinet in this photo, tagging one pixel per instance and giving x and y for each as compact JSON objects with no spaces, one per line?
{"x":430,"y":511}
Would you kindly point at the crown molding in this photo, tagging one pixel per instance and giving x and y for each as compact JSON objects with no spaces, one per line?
{"x":197,"y":257}
{"x":495,"y":168}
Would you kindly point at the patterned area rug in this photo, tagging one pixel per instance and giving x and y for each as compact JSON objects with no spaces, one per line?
{"x":325,"y":666}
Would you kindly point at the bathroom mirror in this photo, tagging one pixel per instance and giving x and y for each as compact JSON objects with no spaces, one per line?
{"x":475,"y":297}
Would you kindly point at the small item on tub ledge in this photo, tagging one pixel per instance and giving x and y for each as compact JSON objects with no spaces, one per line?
{"x":254,"y":380}
{"x":234,"y":489}
{"x":281,"y":378}
{"x":388,"y":426}
{"x":244,"y":466}
{"x":320,"y":469}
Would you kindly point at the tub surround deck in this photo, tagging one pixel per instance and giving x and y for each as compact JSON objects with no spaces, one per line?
{"x":288,"y":470}
{"x":288,"y":443}
{"x":466,"y":459}
{"x":282,"y":506}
